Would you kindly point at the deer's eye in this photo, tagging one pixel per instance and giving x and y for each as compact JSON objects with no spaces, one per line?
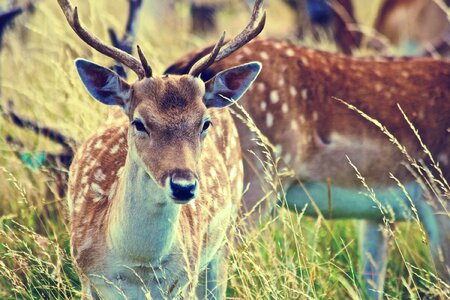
{"x":206,"y":125}
{"x":139,"y":126}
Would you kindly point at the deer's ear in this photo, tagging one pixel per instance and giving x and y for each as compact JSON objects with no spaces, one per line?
{"x":103,"y":84}
{"x":230,"y":84}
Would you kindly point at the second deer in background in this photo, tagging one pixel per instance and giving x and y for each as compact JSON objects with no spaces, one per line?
{"x":316,"y":137}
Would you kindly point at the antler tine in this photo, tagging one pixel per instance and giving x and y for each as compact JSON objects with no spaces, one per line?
{"x":147,"y":69}
{"x":249,"y":32}
{"x":253,"y":28}
{"x":128,"y":60}
{"x":207,"y":61}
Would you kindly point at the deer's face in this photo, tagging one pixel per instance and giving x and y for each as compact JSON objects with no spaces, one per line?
{"x":169,"y":118}
{"x":169,"y":122}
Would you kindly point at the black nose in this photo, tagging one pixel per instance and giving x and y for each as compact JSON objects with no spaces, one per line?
{"x":183,"y":190}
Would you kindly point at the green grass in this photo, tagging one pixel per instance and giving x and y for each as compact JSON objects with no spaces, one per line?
{"x":288,"y":257}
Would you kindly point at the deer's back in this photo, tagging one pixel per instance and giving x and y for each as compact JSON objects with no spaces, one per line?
{"x":292,"y":103}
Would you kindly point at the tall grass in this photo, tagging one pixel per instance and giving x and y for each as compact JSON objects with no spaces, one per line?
{"x":290,"y":256}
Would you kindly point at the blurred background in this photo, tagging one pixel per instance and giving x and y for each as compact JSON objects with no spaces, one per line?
{"x":290,"y":256}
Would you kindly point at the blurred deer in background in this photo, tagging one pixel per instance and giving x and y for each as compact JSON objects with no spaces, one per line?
{"x":132,"y":234}
{"x":418,"y":26}
{"x":330,"y":17}
{"x":316,"y":136}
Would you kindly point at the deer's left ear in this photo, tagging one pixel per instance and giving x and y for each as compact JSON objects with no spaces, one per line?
{"x":230,"y":84}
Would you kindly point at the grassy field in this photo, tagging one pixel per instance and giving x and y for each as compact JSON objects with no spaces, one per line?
{"x":288,"y":257}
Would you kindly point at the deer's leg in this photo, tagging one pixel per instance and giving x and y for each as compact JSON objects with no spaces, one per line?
{"x":336,"y":202}
{"x":212,"y":282}
{"x":374,"y":256}
{"x":436,"y":223}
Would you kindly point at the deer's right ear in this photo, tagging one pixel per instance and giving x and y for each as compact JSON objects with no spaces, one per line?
{"x":103,"y":84}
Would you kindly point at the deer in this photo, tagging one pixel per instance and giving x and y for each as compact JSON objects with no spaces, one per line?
{"x":317,"y":136}
{"x":422,"y":26}
{"x":334,"y":17}
{"x":152,"y":195}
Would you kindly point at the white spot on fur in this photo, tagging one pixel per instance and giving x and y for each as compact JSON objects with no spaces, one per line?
{"x":263,"y":105}
{"x":285,"y":108}
{"x":302,"y":119}
{"x":264,"y":55}
{"x":269,"y":120}
{"x":281,"y":81}
{"x":247,"y":50}
{"x":293,"y":91}
{"x":274,"y":97}
{"x":294,"y":124}
{"x":290,"y":52}
{"x":98,"y":145}
{"x":304,"y":94}
{"x":114,"y":149}
{"x":97,"y":189}
{"x":261,"y":87}
{"x":277,"y":45}
{"x":99,"y":175}
{"x":315,"y":116}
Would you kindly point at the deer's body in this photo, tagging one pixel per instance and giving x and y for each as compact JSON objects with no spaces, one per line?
{"x":152,"y":195}
{"x":123,"y":228}
{"x":291,"y":102}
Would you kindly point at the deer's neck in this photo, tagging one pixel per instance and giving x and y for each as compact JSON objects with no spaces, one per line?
{"x":143,"y":222}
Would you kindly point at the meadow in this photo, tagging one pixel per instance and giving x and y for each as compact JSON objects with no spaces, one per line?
{"x":290,"y":256}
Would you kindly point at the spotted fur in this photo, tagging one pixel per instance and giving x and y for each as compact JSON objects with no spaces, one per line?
{"x":292,"y":104}
{"x":104,"y":167}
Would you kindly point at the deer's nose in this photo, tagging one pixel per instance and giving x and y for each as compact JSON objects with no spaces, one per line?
{"x":183,"y":187}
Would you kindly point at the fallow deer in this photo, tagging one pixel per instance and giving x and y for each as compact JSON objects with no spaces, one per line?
{"x":417,"y":25}
{"x":132,"y":230}
{"x":333,"y":17}
{"x":291,"y":103}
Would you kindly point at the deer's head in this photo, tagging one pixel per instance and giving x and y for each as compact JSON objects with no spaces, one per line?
{"x":168,"y":115}
{"x":169,"y":118}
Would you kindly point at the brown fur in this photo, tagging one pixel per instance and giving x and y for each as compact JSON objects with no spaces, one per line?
{"x":293,"y":95}
{"x":172,"y":108}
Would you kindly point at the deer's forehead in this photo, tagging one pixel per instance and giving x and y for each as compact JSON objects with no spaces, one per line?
{"x":170,"y":91}
{"x":170,"y":100}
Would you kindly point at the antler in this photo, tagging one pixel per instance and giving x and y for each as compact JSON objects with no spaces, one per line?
{"x":253,"y":28}
{"x":128,"y":60}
